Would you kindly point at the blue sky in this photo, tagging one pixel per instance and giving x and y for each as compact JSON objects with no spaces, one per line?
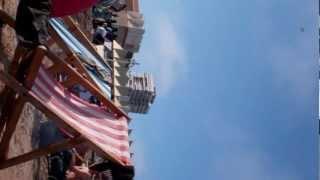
{"x":237,"y":92}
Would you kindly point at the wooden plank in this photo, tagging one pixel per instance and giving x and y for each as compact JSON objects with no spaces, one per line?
{"x":74,"y":61}
{"x":18,"y":55}
{"x":86,"y":84}
{"x":37,"y":59}
{"x":55,"y":68}
{"x":52,"y":148}
{"x":71,"y":81}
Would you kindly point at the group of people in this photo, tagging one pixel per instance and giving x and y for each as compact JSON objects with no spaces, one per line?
{"x":78,"y":163}
{"x":103,"y":31}
{"x":72,"y":165}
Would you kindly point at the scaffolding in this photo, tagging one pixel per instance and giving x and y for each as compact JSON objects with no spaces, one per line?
{"x":142,"y":93}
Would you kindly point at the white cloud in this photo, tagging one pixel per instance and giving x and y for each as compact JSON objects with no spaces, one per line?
{"x":295,"y":68}
{"x":239,"y":154}
{"x":250,"y":165}
{"x":164,"y":54}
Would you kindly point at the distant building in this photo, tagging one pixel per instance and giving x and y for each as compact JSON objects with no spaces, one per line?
{"x":130,"y":24}
{"x":142,"y":93}
{"x":120,"y":65}
{"x":132,"y":93}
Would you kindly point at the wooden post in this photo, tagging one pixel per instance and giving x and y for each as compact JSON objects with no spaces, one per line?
{"x":34,"y":68}
{"x":52,"y":148}
{"x":55,"y":68}
{"x":71,"y":81}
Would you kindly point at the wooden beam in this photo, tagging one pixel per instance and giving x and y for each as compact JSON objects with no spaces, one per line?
{"x":18,"y":55}
{"x":72,"y":80}
{"x":37,"y":59}
{"x":52,"y":148}
{"x":55,"y":68}
{"x":75,"y":62}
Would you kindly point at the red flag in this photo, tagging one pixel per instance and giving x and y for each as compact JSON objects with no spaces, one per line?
{"x":68,"y":7}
